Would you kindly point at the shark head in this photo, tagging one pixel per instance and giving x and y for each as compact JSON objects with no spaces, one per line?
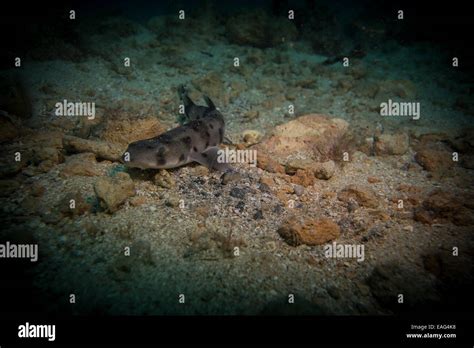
{"x":144,"y":154}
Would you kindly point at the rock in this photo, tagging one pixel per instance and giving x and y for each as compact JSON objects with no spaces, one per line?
{"x":229,"y":177}
{"x":303,"y":177}
{"x":136,"y":201}
{"x":172,"y":200}
{"x":298,"y":189}
{"x":251,"y":137}
{"x":267,"y":180}
{"x":433,"y":153}
{"x":364,"y":196}
{"x":80,"y":165}
{"x":112,"y":192}
{"x":373,"y":179}
{"x":198,"y":171}
{"x":164,"y":179}
{"x":267,"y":163}
{"x":321,"y":170}
{"x":103,"y":150}
{"x":434,"y":160}
{"x":310,"y":232}
{"x":258,"y":29}
{"x":312,"y":137}
{"x":423,"y":216}
{"x":251,"y":115}
{"x":389,"y":280}
{"x":73,"y":204}
{"x":391,"y":144}
{"x":126,"y":131}
{"x":445,"y":205}
{"x":325,"y":170}
{"x":42,"y":153}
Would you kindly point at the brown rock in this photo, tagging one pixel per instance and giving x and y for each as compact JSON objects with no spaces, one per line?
{"x":373,"y":179}
{"x":310,"y":232}
{"x":164,"y":179}
{"x":445,"y":205}
{"x":137,"y":201}
{"x":313,"y":137}
{"x":365,"y":196}
{"x":112,"y":192}
{"x":80,"y":165}
{"x":391,"y":144}
{"x":103,"y":150}
{"x":303,"y":177}
{"x":126,"y":131}
{"x":267,"y":180}
{"x":423,"y":216}
{"x":321,"y":170}
{"x":434,"y":160}
{"x":251,"y":137}
{"x":325,"y":170}
{"x":73,"y":205}
{"x":265,"y":162}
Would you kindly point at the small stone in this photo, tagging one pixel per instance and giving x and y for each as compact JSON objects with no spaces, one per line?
{"x":251,"y":137}
{"x":172,"y":201}
{"x":310,"y":232}
{"x":364,"y":196}
{"x":137,"y":201}
{"x":79,"y":207}
{"x":303,"y":177}
{"x":267,"y":180}
{"x":164,"y":179}
{"x":373,"y":179}
{"x":298,"y":189}
{"x":265,"y":162}
{"x":113,"y":192}
{"x":408,"y":228}
{"x":251,"y":115}
{"x":80,"y":165}
{"x":325,"y":170}
{"x":229,"y":177}
{"x":391,"y":144}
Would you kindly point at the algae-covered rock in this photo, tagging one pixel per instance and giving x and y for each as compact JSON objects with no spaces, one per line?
{"x":113,"y":192}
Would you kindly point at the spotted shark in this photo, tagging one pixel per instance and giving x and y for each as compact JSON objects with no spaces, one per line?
{"x":197,"y":140}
